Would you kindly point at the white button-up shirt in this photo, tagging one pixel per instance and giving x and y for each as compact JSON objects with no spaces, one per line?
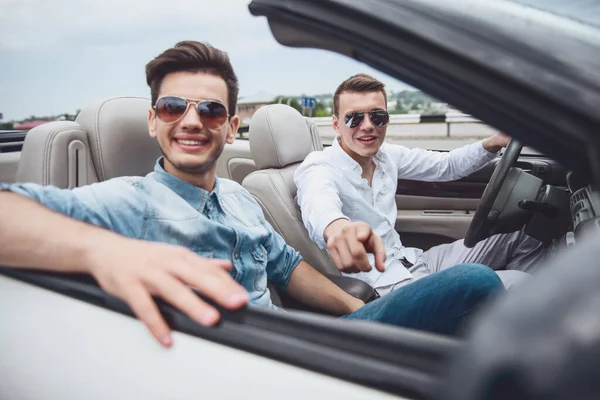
{"x":330,"y":186}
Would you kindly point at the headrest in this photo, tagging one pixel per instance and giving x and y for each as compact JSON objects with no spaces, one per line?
{"x":118,"y":134}
{"x":279,"y":136}
{"x":317,"y":144}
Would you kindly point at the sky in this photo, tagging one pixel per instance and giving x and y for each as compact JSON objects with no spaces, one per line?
{"x":57,"y":56}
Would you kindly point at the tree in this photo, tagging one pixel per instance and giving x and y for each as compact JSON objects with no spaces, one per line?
{"x":320,"y":110}
{"x":290,"y":101}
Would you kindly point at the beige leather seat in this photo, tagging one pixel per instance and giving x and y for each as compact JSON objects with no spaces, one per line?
{"x":280,"y":138}
{"x":108,"y":139}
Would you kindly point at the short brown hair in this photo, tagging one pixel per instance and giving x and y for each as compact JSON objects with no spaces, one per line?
{"x":191,"y":56}
{"x":359,"y":83}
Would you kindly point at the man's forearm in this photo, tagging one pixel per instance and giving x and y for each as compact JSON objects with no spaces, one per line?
{"x":33,"y":236}
{"x":313,"y":289}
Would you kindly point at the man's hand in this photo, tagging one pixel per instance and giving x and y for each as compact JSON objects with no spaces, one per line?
{"x":348,"y":244}
{"x":136,"y":270}
{"x":133,"y":270}
{"x":494,"y":143}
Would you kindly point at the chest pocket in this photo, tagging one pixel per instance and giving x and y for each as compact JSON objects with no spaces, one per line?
{"x":387,"y":184}
{"x":259,"y":267}
{"x":385,"y":189}
{"x":209,"y":254}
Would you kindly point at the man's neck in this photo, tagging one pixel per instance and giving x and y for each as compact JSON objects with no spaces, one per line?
{"x":203,"y":180}
{"x":366,"y":163}
{"x":368,"y":171}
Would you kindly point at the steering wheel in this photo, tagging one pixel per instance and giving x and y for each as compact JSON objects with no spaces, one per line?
{"x":485,"y":216}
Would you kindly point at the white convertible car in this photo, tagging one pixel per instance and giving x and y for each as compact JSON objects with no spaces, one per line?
{"x":528,"y":68}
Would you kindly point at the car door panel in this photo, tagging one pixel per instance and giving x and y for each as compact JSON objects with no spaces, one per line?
{"x":432,"y":213}
{"x":239,"y":167}
{"x":11,"y":143}
{"x":460,"y":189}
{"x":294,"y":349}
{"x":428,"y":228}
{"x":236,"y":161}
{"x":9,"y":163}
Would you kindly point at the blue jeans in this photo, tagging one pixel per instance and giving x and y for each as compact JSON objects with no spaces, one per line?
{"x":440,"y":302}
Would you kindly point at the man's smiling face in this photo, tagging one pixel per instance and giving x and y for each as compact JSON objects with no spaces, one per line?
{"x":189,"y":145}
{"x":363,"y":141}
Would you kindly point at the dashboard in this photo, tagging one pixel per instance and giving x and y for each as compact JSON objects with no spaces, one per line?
{"x":582,"y":207}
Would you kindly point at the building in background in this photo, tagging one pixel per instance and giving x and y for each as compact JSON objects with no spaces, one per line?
{"x":25,"y":126}
{"x":248,"y":105}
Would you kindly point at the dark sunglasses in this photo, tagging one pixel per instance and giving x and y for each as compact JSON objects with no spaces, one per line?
{"x":377,"y":117}
{"x":170,"y":109}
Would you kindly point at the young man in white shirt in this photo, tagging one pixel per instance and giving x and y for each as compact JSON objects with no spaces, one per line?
{"x":347,"y":197}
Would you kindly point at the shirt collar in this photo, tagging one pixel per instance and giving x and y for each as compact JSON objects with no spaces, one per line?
{"x":195,"y":196}
{"x":349,"y":163}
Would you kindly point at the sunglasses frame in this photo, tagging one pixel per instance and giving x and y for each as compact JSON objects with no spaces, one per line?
{"x":362,"y":118}
{"x":189,"y":102}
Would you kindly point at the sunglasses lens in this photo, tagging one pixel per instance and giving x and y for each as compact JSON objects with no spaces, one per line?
{"x":170,"y":109}
{"x":353,"y":119}
{"x":379,"y":117}
{"x":212,"y":114}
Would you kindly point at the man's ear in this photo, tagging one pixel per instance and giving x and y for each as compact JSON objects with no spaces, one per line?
{"x":151,"y":128}
{"x":234,"y":124}
{"x":336,"y":123}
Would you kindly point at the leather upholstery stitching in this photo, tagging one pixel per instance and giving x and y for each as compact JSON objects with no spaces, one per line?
{"x":268,"y":212}
{"x":46,"y":156}
{"x":101,"y":176}
{"x":96,"y":133}
{"x":47,"y":153}
{"x":279,"y":195}
{"x":272,"y":135}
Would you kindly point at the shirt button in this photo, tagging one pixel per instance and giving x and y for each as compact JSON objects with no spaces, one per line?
{"x":235,"y":255}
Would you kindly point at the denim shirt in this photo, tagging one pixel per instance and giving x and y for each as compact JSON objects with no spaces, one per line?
{"x":226,"y":223}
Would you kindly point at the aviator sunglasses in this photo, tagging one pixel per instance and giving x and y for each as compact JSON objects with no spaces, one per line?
{"x":170,"y":109}
{"x":377,"y":117}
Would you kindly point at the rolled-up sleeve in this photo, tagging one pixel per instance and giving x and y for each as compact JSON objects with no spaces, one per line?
{"x":114,"y":204}
{"x":426,"y":165}
{"x":318,"y":198}
{"x":282,"y":259}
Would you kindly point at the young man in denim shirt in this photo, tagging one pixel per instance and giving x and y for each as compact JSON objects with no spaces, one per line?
{"x":181,"y":226}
